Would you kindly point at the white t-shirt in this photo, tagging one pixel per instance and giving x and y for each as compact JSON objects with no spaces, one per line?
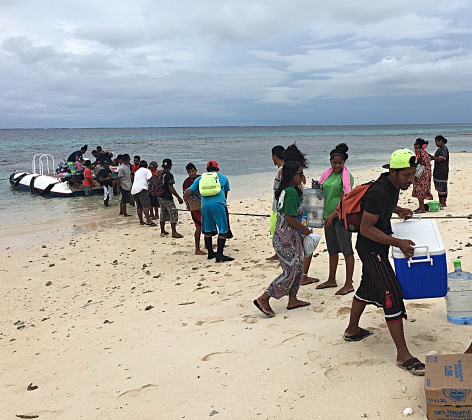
{"x":141,"y":177}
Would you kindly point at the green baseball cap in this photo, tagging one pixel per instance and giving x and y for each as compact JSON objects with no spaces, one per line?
{"x":400,"y":159}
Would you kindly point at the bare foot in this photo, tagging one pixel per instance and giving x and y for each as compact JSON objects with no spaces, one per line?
{"x":344,"y":291}
{"x":199,"y":252}
{"x":273,"y":258}
{"x":308,"y":280}
{"x":327,"y":284}
{"x":295,"y":303}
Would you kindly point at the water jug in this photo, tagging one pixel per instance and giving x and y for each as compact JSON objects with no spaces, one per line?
{"x":459,"y":296}
{"x":313,"y":203}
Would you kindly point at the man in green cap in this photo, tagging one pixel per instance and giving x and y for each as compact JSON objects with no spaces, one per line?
{"x":379,"y":285}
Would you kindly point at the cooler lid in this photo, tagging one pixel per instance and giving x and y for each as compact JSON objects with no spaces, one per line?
{"x":422,"y":232}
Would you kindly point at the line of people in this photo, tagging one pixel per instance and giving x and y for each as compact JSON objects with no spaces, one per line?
{"x":152,"y":191}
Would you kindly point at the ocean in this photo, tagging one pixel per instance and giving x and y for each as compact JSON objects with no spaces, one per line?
{"x":243,"y":154}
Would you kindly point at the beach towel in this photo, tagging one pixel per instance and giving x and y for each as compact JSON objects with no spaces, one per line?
{"x":345,"y":177}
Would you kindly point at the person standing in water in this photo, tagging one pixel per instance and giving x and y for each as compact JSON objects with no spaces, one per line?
{"x":337,"y":181}
{"x":287,"y":242}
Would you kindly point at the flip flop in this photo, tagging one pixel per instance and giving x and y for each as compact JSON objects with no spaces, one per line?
{"x":301,"y":305}
{"x":412,"y":365}
{"x":342,"y":292}
{"x":326,"y":286}
{"x":267,"y":314}
{"x":150,"y":224}
{"x":359,"y":336}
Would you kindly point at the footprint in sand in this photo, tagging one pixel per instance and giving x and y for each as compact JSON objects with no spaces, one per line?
{"x":428,"y":336}
{"x":211,"y":356}
{"x":419,"y":305}
{"x":250,"y":319}
{"x":345,"y":310}
{"x":209,"y":321}
{"x":294,"y":337}
{"x":365,"y":362}
{"x":333,"y":374}
{"x":137,"y":391}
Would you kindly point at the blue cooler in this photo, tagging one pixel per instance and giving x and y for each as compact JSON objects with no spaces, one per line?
{"x":425,"y":274}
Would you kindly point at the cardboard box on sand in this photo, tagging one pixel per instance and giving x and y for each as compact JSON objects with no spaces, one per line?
{"x":448,"y":386}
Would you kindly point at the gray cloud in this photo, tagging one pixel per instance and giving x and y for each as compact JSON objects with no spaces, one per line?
{"x":201,"y":61}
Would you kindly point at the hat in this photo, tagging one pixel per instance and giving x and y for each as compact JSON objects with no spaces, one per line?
{"x":212,"y":164}
{"x":152,"y":164}
{"x":166,"y":163}
{"x":400,"y":159}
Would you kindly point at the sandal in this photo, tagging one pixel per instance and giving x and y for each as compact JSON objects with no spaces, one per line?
{"x":359,"y":336}
{"x":414,"y":366}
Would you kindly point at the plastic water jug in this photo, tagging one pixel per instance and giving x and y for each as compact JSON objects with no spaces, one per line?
{"x":459,"y":296}
{"x":313,"y":203}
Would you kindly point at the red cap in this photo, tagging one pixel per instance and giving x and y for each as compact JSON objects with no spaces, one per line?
{"x":212,"y":164}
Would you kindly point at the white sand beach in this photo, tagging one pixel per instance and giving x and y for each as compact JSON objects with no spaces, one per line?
{"x":111,"y":321}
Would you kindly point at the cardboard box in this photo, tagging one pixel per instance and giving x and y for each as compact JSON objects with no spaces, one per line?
{"x":448,"y":386}
{"x":425,"y":274}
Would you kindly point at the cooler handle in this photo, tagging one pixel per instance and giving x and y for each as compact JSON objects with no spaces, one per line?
{"x":427,"y":259}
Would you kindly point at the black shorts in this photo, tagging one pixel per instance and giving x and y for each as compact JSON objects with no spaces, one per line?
{"x":125,"y":196}
{"x":154,"y":200}
{"x":338,"y":239}
{"x":379,"y":286}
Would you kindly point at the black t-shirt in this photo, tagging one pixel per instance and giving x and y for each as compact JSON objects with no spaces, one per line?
{"x":380,"y":199}
{"x":168,"y":179}
{"x":104,"y":173}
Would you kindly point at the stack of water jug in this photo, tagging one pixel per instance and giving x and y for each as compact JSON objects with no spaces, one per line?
{"x":459,"y":296}
{"x":313,"y":203}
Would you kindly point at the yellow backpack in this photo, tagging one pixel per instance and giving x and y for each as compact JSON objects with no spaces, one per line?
{"x":209,"y":184}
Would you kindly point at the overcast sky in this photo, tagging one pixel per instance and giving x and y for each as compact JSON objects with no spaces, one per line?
{"x":103,"y":63}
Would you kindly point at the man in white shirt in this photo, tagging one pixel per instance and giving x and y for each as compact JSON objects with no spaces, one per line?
{"x":140,"y":192}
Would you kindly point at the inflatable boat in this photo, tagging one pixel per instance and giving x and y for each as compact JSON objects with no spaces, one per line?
{"x":44,"y":182}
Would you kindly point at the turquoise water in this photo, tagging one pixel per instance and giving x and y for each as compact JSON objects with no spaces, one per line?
{"x":243,"y":153}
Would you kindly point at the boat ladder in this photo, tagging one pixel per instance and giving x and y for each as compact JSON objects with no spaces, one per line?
{"x":42,"y":164}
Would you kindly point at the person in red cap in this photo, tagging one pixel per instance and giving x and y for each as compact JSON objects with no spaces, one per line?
{"x":213,"y":208}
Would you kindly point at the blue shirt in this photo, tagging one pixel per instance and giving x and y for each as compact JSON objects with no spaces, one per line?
{"x":218,"y":198}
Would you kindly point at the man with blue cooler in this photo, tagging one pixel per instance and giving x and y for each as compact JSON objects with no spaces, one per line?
{"x":379,"y":285}
{"x":213,"y":188}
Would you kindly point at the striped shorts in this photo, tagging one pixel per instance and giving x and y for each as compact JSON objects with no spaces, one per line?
{"x":379,"y":286}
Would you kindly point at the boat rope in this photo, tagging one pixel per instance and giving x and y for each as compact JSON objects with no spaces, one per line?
{"x":397,"y":218}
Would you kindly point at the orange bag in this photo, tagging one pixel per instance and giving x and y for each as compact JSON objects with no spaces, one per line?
{"x":349,"y":209}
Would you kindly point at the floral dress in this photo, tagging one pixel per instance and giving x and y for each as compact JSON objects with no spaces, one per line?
{"x":422,"y":185}
{"x":288,"y":245}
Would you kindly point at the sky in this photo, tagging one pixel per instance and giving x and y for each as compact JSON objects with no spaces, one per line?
{"x":166,"y":63}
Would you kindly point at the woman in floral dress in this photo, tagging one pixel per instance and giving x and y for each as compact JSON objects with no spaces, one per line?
{"x":287,"y":241}
{"x":422,"y":185}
